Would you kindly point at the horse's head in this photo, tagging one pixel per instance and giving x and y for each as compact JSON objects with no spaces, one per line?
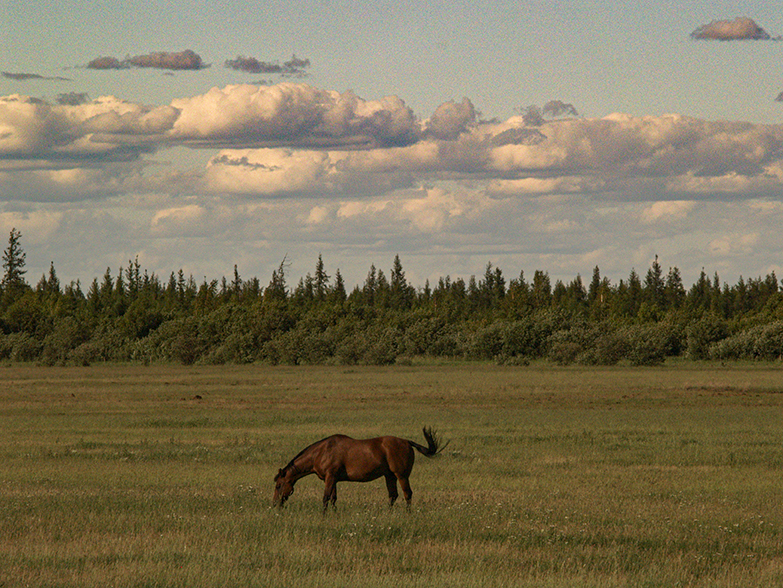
{"x":284,"y":487}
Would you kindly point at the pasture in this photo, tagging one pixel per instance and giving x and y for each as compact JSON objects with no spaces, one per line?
{"x":161,"y":476}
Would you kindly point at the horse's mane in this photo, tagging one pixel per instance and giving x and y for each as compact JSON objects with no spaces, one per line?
{"x":301,"y":453}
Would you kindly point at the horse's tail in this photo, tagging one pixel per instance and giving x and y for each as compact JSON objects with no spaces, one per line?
{"x":434,"y":446}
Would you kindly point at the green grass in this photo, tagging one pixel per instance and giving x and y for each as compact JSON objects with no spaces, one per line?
{"x":162,"y":476}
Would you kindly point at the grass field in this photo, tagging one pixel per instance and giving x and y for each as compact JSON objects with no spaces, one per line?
{"x":162,"y":476}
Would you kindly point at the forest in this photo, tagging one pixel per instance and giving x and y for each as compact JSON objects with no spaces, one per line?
{"x":137,"y":316}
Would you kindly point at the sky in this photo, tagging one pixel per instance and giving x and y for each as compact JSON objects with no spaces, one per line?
{"x":530,"y":135}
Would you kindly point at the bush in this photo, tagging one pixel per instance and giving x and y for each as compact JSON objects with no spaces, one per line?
{"x":66,"y":336}
{"x":299,"y":346}
{"x":381,"y":345}
{"x":105,"y":345}
{"x":564,"y":352}
{"x":575,"y":344}
{"x":607,"y":349}
{"x":763,"y":342}
{"x":702,"y":334}
{"x":23,"y":347}
{"x":648,"y":344}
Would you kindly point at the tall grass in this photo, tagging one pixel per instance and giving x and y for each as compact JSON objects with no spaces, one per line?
{"x":161,"y":476}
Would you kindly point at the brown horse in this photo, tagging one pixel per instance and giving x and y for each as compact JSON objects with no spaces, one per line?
{"x":341,"y":459}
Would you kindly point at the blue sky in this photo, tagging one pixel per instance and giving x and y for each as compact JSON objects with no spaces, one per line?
{"x":410,"y":132}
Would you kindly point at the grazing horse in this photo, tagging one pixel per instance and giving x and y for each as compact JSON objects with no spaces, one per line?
{"x":341,"y":459}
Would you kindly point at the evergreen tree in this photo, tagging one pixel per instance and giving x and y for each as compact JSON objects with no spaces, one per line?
{"x":576,"y":293}
{"x":634,"y":293}
{"x":542,"y":289}
{"x":699,"y":295}
{"x":370,"y":288}
{"x":236,"y":283}
{"x":321,"y":280}
{"x":594,"y":290}
{"x":13,"y":264}
{"x":277,"y":287}
{"x":338,"y":293}
{"x":654,"y":288}
{"x":401,"y":295}
{"x":518,"y":293}
{"x":674,"y":291}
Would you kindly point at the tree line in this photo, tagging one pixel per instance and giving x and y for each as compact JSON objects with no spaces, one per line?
{"x":137,"y":316}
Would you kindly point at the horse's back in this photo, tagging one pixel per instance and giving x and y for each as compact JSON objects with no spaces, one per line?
{"x":365,"y":459}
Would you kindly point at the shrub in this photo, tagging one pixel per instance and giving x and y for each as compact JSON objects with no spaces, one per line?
{"x":648,"y":344}
{"x":702,"y":334}
{"x":24,"y":347}
{"x":763,"y":342}
{"x":67,"y":334}
{"x":564,"y":352}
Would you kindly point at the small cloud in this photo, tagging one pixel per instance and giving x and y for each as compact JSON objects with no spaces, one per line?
{"x":534,"y":116}
{"x":73,"y":98}
{"x":450,"y":120}
{"x":667,"y":211}
{"x":740,"y":29}
{"x":174,"y":220}
{"x":295,"y":67}
{"x":734,"y":244}
{"x":318,"y":215}
{"x":557,"y":108}
{"x":517,"y":136}
{"x":779,"y":98}
{"x":107,"y":63}
{"x":183,"y":60}
{"x":24,"y":77}
{"x":252,"y":65}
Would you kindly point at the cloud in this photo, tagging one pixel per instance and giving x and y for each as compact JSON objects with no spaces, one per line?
{"x":734,"y":244}
{"x":34,"y":133}
{"x":667,"y":211}
{"x":740,"y":29}
{"x":182,"y":60}
{"x":294,"y":115}
{"x":292,"y":140}
{"x":178,"y":220}
{"x":295,"y":67}
{"x":73,"y":98}
{"x":431,"y":212}
{"x":533,"y":116}
{"x":557,"y":108}
{"x":640,"y":155}
{"x":617,"y":157}
{"x":23,"y":77}
{"x":450,"y":120}
{"x":269,"y":172}
{"x":107,"y":63}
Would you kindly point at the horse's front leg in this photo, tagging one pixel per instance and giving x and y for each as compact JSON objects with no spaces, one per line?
{"x":391,"y":486}
{"x":330,"y":491}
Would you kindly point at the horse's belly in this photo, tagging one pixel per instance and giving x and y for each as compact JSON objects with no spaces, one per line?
{"x":363,"y":474}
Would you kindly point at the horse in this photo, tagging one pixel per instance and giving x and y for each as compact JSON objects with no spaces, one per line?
{"x":340,"y":458}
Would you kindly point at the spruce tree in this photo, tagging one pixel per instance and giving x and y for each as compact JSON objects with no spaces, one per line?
{"x":321,"y":280}
{"x":13,"y":264}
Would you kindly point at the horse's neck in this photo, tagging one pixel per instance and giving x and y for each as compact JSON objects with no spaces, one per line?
{"x":302,"y":465}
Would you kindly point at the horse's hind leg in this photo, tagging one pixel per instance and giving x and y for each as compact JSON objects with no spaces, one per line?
{"x":406,"y":491}
{"x":391,"y":486}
